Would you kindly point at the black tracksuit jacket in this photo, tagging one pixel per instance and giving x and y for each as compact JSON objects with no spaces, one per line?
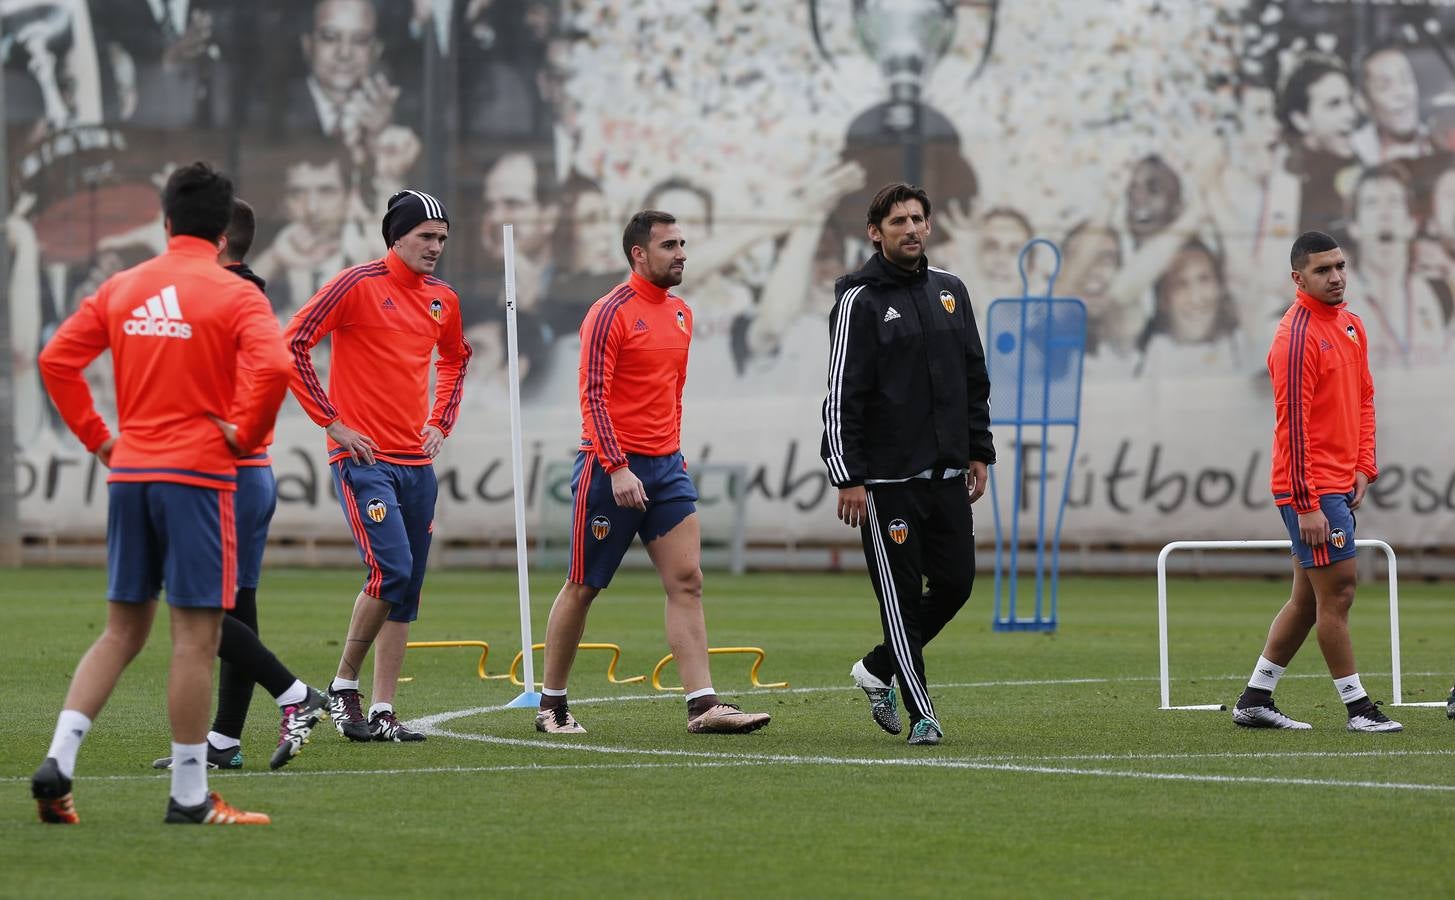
{"x":908,"y":390}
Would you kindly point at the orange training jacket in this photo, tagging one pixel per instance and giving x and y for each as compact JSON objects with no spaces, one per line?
{"x":182,"y":330}
{"x":1323,"y":396}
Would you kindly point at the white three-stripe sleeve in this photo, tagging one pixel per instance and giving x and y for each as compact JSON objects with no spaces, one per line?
{"x":834,"y":405}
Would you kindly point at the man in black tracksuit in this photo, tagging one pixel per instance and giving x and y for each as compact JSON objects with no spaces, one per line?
{"x":906,"y":433}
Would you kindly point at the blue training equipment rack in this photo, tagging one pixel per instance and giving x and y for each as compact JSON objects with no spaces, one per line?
{"x":1035,"y":346}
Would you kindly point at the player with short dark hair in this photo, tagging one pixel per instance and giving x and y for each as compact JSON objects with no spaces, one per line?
{"x":630,"y":478}
{"x":907,"y":442}
{"x":387,"y":318}
{"x":187,"y":339}
{"x":245,"y":659}
{"x":1323,"y":462}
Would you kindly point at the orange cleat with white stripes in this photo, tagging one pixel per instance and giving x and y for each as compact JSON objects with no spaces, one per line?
{"x":212,"y":811}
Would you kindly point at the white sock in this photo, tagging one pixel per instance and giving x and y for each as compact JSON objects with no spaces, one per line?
{"x":1265,"y":675}
{"x":380,"y":708}
{"x":297,"y":692}
{"x":222,"y":741}
{"x":341,"y":684}
{"x":702,"y":693}
{"x":189,"y":773}
{"x":1350,"y":689}
{"x":71,"y":729}
{"x":552,"y":692}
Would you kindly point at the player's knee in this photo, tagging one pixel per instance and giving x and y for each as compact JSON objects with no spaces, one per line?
{"x":580,"y":594}
{"x":686,"y":583}
{"x":1337,"y":599}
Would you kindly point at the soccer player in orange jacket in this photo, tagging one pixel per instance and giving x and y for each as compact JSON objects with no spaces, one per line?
{"x":387,"y":318}
{"x":1323,"y":462}
{"x":182,"y":331}
{"x":630,"y":478}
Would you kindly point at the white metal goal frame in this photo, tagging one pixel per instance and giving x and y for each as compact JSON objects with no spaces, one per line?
{"x":1394,"y":662}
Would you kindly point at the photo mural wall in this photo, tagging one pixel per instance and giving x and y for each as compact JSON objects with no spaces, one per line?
{"x":1172,"y":150}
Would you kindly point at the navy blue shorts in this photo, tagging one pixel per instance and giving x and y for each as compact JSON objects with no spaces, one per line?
{"x":256,"y":501}
{"x":390,"y":510}
{"x":1341,"y":531}
{"x":173,"y":535}
{"x":601,"y":531}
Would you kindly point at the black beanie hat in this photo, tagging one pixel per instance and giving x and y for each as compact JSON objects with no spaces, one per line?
{"x":406,"y":210}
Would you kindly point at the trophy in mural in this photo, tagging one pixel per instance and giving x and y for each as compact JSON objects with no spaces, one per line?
{"x":906,"y":38}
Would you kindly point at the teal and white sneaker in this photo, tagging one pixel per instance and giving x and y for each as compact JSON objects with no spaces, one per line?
{"x":883,"y":703}
{"x":231,"y":758}
{"x":925,"y":731}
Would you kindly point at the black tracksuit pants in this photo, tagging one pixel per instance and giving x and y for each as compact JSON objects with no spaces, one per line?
{"x":921,"y":556}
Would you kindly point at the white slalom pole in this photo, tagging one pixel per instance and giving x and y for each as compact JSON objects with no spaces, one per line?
{"x":529,"y":696}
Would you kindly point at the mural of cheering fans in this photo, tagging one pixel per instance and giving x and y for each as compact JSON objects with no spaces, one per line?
{"x":1194,"y":328}
{"x":1396,"y":130}
{"x":1404,"y":314}
{"x":1090,"y":257}
{"x":1316,"y":107}
{"x":1434,"y":252}
{"x":346,"y":96}
{"x":167,"y":64}
{"x":586,"y":249}
{"x":324,"y":229}
{"x":1253,"y":200}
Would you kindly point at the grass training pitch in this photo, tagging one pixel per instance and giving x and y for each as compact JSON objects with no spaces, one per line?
{"x":1058,"y":775}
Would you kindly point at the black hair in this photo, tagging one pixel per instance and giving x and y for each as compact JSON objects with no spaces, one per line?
{"x":639,"y":230}
{"x":1309,"y":243}
{"x":1294,"y":97}
{"x":197,"y":201}
{"x":241,"y":229}
{"x":890,"y":194}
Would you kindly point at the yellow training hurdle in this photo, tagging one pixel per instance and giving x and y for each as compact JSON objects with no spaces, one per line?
{"x":610,"y":667}
{"x":752,"y":674}
{"x":479,"y":668}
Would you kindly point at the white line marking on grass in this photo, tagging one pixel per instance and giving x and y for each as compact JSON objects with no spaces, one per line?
{"x":970,"y":764}
{"x":430,"y":770}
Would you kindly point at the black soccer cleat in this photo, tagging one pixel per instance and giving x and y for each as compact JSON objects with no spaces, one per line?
{"x":1450,"y":705}
{"x":52,"y":793}
{"x":297,"y":724}
{"x":348,"y":717}
{"x":385,"y":726}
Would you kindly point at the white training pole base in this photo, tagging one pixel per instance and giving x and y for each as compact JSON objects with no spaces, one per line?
{"x":531,"y":699}
{"x":1219,"y":707}
{"x":1439,"y":703}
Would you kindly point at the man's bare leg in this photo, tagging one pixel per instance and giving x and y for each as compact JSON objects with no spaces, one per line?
{"x":127,"y":627}
{"x":1333,"y":586}
{"x":368,"y":617}
{"x":195,"y":634}
{"x":1293,"y":623}
{"x":96,"y":675}
{"x":677,"y":556}
{"x":564,"y":629}
{"x":389,"y":659}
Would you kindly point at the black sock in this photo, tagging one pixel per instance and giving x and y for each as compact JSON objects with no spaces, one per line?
{"x":1362,"y":705}
{"x":549,"y":702}
{"x":234,"y":681}
{"x":1254,"y":697}
{"x":699,"y":705}
{"x":252,"y":662}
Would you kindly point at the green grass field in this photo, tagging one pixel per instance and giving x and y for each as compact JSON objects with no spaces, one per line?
{"x":1058,"y":776}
